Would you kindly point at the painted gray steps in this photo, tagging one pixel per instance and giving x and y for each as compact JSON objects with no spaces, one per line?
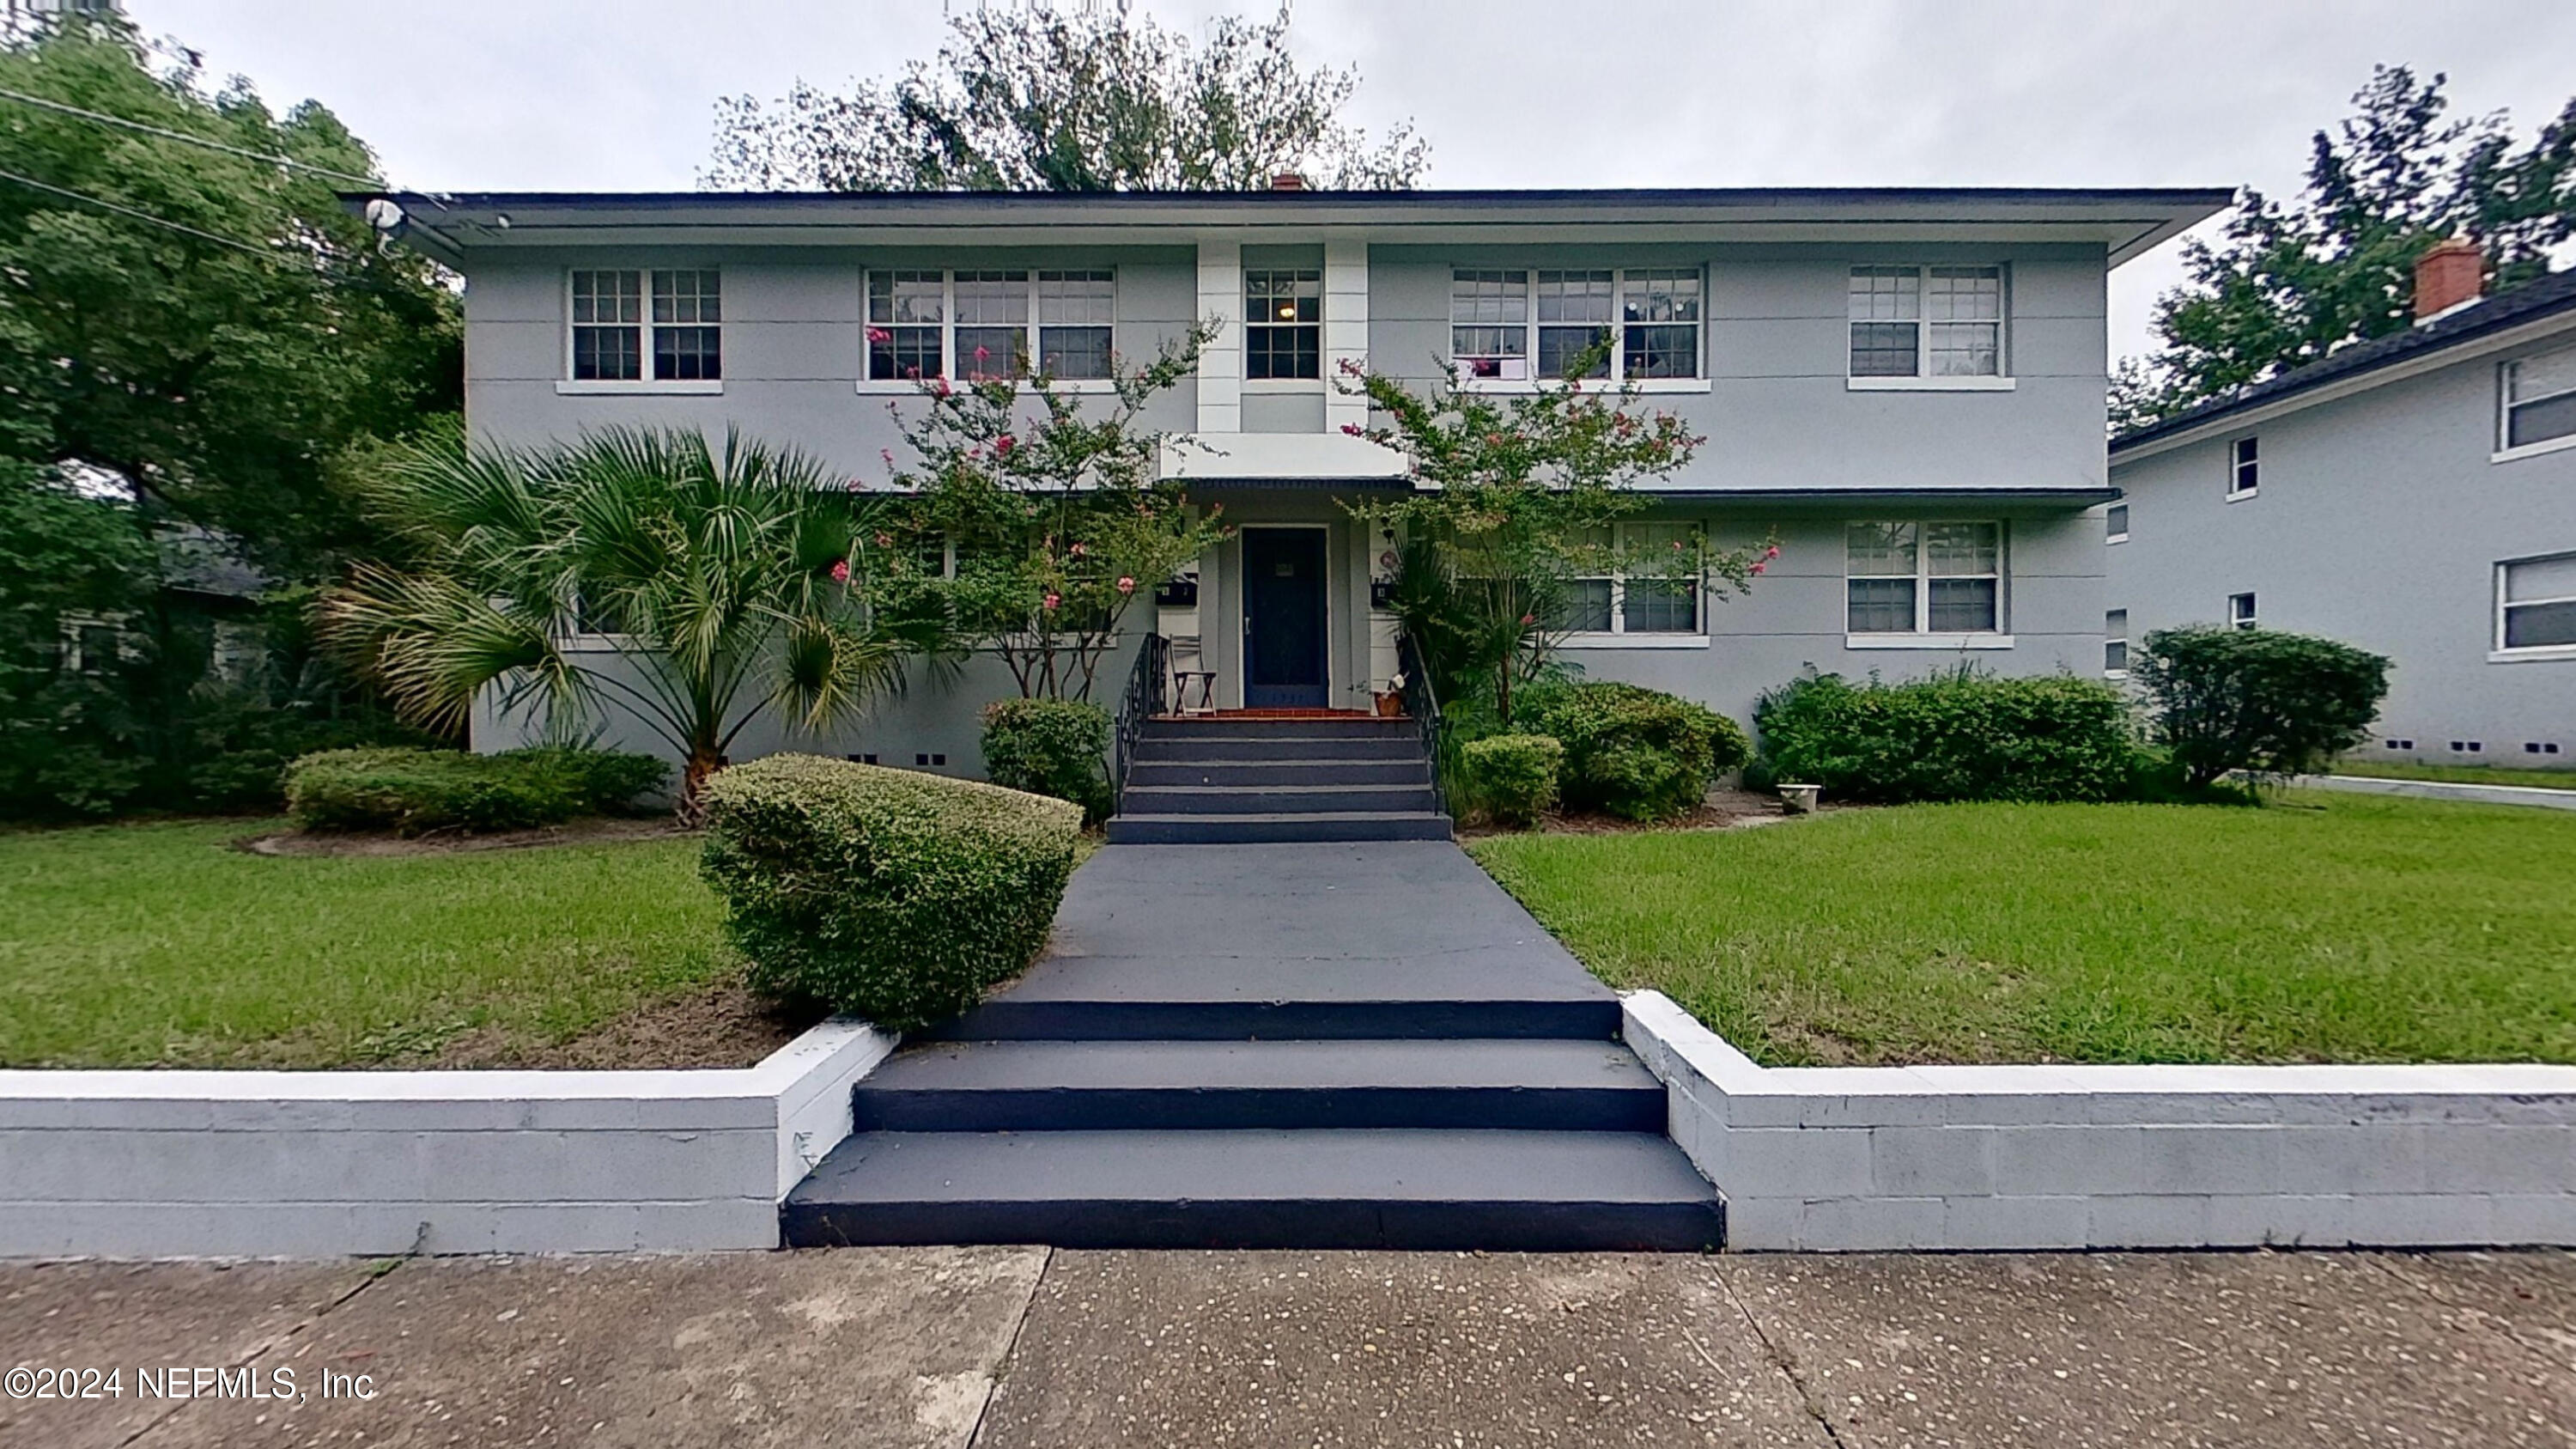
{"x":1498,"y":1191}
{"x":1414,"y":771}
{"x":1056,"y":1086}
{"x":1236,"y":729}
{"x":1282,"y":747}
{"x":1275,"y":828}
{"x":1453,"y":995}
{"x":1275,"y":799}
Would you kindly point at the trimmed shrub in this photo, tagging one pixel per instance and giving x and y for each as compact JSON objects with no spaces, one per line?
{"x":2264,"y":701}
{"x":1636,"y":753}
{"x":1956,"y":736}
{"x":1512,"y":778}
{"x":887,"y":894}
{"x":1050,"y":747}
{"x":412,"y":791}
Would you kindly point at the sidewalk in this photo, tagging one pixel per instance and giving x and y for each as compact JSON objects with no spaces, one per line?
{"x":1009,"y":1347}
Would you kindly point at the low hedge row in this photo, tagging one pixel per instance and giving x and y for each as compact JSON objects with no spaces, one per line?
{"x":412,"y":791}
{"x":1956,"y":736}
{"x":889,"y":894}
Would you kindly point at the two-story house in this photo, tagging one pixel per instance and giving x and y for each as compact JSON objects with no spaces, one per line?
{"x":2414,"y":495}
{"x":1904,"y":386}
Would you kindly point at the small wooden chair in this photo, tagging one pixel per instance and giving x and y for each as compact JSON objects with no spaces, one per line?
{"x":1185,"y":652}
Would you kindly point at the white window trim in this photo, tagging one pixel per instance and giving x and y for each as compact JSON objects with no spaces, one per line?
{"x":870,"y":386}
{"x":1618,"y":635}
{"x":2108,"y":537}
{"x":2253,"y":619}
{"x":2127,"y":643}
{"x":569,"y":386}
{"x":2506,"y":452}
{"x":2497,"y":653}
{"x":1923,"y":379}
{"x":1922,"y":637}
{"x":1530,"y":386}
{"x":1323,"y":359}
{"x":2234,"y":493}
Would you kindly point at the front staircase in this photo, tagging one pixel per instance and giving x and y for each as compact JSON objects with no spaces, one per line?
{"x":1232,"y":780}
{"x":1308,"y":1046}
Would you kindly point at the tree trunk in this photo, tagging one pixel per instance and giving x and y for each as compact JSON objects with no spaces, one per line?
{"x":703,"y":762}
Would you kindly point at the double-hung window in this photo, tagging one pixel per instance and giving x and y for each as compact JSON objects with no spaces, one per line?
{"x":1924,"y":578}
{"x":1283,"y":323}
{"x":2536,"y":603}
{"x":1636,"y":601}
{"x":2244,"y":467}
{"x":1512,"y":325}
{"x":2240,"y":611}
{"x":624,"y":322}
{"x":2115,"y":643}
{"x":2539,"y":399}
{"x":1927,"y":322}
{"x":990,"y":323}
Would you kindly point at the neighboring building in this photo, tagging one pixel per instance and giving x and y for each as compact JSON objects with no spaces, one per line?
{"x":2414,"y":495}
{"x":1905,"y":386}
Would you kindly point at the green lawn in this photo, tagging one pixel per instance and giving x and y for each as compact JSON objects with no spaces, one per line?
{"x":158,"y":945}
{"x":2326,"y":928}
{"x":2457,"y":774}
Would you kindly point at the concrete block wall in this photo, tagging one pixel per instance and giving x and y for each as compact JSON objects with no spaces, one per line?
{"x":2116,"y":1157}
{"x":319,"y":1164}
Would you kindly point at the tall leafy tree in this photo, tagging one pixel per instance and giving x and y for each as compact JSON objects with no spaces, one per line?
{"x":1029,"y":98}
{"x":2288,"y":283}
{"x":210,"y":326}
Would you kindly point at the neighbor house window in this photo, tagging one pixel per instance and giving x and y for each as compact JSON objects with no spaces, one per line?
{"x":1638,"y":601}
{"x":990,"y":323}
{"x":2536,"y":603}
{"x":1927,"y":321}
{"x":2244,"y":467}
{"x":2240,"y":611}
{"x":1511,"y":325}
{"x":2115,"y":642}
{"x":1283,"y":324}
{"x":622,"y":318}
{"x":2540,"y":398}
{"x":1924,"y":578}
{"x":2115,"y":523}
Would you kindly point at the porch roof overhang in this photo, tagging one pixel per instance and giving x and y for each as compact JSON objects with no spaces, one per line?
{"x":2123,"y":221}
{"x":2048,"y":497}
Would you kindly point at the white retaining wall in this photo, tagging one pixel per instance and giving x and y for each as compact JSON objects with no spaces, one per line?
{"x":143,"y":1164}
{"x":1854,"y":1158}
{"x":2498,"y":794}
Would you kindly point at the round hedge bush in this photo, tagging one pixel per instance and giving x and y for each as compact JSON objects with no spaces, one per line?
{"x":1637,"y":753}
{"x":886,"y":894}
{"x":1052,"y":747}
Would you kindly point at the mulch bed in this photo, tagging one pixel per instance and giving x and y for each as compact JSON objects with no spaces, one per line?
{"x":594,"y":831}
{"x":723,"y":1024}
{"x":1723,"y":810}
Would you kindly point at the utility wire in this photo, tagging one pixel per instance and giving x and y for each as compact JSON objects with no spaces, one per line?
{"x":144,"y":216}
{"x":369,"y":182}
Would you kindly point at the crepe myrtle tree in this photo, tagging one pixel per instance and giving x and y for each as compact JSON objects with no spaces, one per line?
{"x":688,"y":585}
{"x":1031,"y":516}
{"x":1514,"y":498}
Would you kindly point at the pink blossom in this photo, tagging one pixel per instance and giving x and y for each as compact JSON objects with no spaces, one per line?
{"x":840,"y":571}
{"x":879,"y":335}
{"x":1351,"y":428}
{"x":1772,"y":552}
{"x":981,"y":354}
{"x":1005,"y":443}
{"x":1126,"y":584}
{"x":887,"y":453}
{"x":940,"y":386}
{"x":1053,"y":599}
{"x":1528,"y":619}
{"x":1759,"y":567}
{"x":1078,"y":550}
{"x":885,"y":540}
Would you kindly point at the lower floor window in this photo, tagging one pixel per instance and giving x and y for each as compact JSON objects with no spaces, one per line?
{"x":1631,"y":600}
{"x":2115,"y":641}
{"x":1924,"y":578}
{"x":2536,"y":603}
{"x":2240,"y":611}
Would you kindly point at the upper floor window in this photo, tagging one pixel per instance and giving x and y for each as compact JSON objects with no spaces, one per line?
{"x":2536,"y":603}
{"x":1619,"y":602}
{"x":1512,"y":325}
{"x":620,"y":318}
{"x":2244,"y":467}
{"x":1283,"y":323}
{"x":2540,"y":398}
{"x":2115,"y":523}
{"x":1924,"y":578}
{"x":1927,"y":321}
{"x":990,"y":323}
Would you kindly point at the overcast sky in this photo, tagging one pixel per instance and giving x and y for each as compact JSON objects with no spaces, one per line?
{"x":616,"y":94}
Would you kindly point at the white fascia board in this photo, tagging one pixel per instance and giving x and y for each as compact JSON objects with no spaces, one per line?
{"x":1322,"y":457}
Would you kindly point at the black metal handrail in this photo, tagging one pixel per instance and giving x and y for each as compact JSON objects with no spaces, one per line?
{"x":1422,"y":705}
{"x":1142,"y":701}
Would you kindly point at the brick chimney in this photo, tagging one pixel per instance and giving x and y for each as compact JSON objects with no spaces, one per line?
{"x":2450,"y":272}
{"x":1287,"y":181}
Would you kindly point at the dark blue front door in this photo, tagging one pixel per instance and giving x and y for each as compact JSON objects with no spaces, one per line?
{"x":1283,"y":619}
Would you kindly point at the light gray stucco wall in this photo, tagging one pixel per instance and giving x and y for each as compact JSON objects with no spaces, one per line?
{"x":2379,"y":521}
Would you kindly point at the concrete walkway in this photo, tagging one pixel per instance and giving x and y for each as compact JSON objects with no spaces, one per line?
{"x":1012,"y":1347}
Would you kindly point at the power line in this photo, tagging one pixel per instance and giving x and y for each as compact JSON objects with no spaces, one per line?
{"x":369,"y":182}
{"x":144,"y":216}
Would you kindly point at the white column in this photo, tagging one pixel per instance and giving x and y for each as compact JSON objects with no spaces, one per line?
{"x":1221,"y":361}
{"x":1346,"y":329}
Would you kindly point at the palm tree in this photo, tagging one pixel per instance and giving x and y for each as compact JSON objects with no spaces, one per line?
{"x":703,"y":586}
